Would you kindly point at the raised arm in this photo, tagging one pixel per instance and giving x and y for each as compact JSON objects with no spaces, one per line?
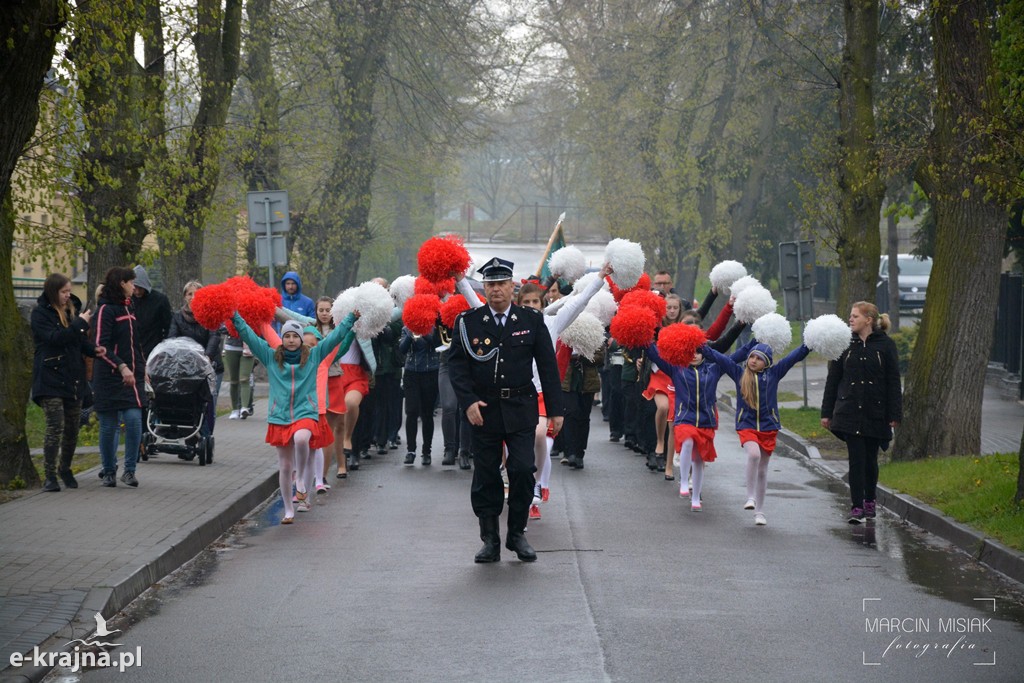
{"x":741,"y":353}
{"x":575,"y":303}
{"x":705,"y":307}
{"x":467,"y":292}
{"x":663,"y":365}
{"x":260,"y":349}
{"x":337,"y":335}
{"x":717,"y":327}
{"x":727,"y":364}
{"x":790,"y":359}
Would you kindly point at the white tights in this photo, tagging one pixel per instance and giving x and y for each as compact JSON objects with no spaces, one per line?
{"x":542,"y":453}
{"x":287,"y":457}
{"x":757,"y":473}
{"x":318,"y":467}
{"x":686,"y":461}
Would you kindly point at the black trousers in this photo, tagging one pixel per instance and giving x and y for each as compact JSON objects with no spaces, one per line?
{"x":576,"y":425}
{"x":488,"y":493}
{"x":362,"y":435}
{"x":630,"y":407}
{"x":420,"y":398}
{"x":863,"y":456}
{"x":395,"y":399}
{"x":616,"y":413}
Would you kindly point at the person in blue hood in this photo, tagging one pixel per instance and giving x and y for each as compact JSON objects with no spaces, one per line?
{"x":292,"y":297}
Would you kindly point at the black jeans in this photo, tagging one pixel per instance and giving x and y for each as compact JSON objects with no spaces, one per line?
{"x":863,"y":455}
{"x":420,"y":399}
{"x":576,"y":425}
{"x":383,"y":395}
{"x":616,"y":415}
{"x":631,"y":400}
{"x":63,"y":418}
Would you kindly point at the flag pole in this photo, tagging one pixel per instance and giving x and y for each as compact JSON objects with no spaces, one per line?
{"x":551,"y":241}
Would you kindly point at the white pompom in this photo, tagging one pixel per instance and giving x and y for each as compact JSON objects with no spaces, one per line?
{"x":602,"y":306}
{"x":568,"y":263}
{"x":775,"y":331}
{"x":828,"y":335}
{"x":402,"y":289}
{"x":585,"y":336}
{"x":739,"y":285}
{"x":627,"y":260}
{"x":725,"y":273}
{"x":584,"y":281}
{"x":374,"y":304}
{"x":752,"y":303}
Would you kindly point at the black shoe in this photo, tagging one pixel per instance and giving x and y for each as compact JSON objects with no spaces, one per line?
{"x":68,"y":479}
{"x":465,"y":462}
{"x":410,"y":458}
{"x":110,"y":479}
{"x":615,"y":438}
{"x":129,"y":478}
{"x":579,"y":463}
{"x":629,"y":443}
{"x":365,"y":455}
{"x":425,"y":459}
{"x":574,"y":461}
{"x":516,"y":542}
{"x":381,"y":450}
{"x":51,"y":485}
{"x":652,"y":462}
{"x":491,"y":550}
{"x":350,"y":460}
{"x":449,"y":458}
{"x":661,"y":462}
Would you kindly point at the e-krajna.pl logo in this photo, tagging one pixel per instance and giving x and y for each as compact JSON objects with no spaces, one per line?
{"x":86,"y":653}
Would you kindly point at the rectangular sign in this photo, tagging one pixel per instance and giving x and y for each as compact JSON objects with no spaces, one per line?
{"x":257,"y":203}
{"x":278,"y":249}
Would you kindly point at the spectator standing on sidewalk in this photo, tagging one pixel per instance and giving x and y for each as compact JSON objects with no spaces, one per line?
{"x":118,"y":381}
{"x":60,"y":332}
{"x":863,"y":402}
{"x":152,"y":312}
{"x":292,"y":297}
{"x":183,"y":324}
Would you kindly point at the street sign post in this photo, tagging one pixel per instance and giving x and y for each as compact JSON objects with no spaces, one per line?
{"x":268,"y":219}
{"x":796,"y":274}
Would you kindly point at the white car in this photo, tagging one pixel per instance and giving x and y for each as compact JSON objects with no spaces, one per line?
{"x":914,"y":272}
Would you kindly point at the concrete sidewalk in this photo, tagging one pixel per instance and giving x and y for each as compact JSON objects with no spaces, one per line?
{"x":66,"y":556}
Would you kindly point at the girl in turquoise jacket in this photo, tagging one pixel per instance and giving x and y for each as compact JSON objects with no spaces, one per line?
{"x":294,"y":409}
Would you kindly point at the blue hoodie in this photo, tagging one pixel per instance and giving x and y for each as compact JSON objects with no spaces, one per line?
{"x":766,"y":417}
{"x":298,"y":302}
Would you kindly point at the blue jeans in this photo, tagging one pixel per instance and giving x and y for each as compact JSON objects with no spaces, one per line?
{"x":110,"y":435}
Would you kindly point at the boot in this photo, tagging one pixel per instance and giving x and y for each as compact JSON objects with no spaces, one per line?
{"x":68,"y":478}
{"x":516,"y":539}
{"x":491,"y":550}
{"x":51,"y":485}
{"x":465,"y":462}
{"x":652,"y":461}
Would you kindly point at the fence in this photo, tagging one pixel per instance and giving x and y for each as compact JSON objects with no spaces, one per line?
{"x":1007,"y":346}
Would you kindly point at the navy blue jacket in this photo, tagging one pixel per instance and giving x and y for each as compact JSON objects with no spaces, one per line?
{"x":420,"y":353}
{"x":766,"y":417}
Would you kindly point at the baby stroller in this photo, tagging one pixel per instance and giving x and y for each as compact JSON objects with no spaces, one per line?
{"x":182,"y":382}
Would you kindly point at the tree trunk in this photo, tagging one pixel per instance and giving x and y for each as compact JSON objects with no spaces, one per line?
{"x":28,"y":34}
{"x":893,"y":250}
{"x":861,"y":190}
{"x":943,"y":394}
{"x":743,"y":211}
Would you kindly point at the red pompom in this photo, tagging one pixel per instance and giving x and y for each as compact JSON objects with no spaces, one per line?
{"x":258,"y":305}
{"x":450,"y":310}
{"x":439,"y":289}
{"x":645,"y":297}
{"x":213,"y":304}
{"x":420,"y":313}
{"x":633,"y":327}
{"x":643,"y":284}
{"x":678,"y":342}
{"x":441,"y":256}
{"x":231,"y":328}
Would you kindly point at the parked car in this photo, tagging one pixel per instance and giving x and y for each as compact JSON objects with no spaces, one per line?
{"x":914,"y":272}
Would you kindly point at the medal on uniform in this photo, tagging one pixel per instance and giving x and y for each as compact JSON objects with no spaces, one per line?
{"x":476,"y":340}
{"x":479,"y":352}
{"x":487,"y":318}
{"x":487,"y":341}
{"x":514,"y":318}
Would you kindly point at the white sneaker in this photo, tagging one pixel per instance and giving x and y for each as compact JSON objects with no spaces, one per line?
{"x":760,"y":519}
{"x":244,"y":413}
{"x":536,"y":494}
{"x":749,"y":505}
{"x":235,"y":414}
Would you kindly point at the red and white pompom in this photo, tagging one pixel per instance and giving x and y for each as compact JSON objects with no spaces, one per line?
{"x":585,"y":336}
{"x":402,"y":289}
{"x":450,"y":310}
{"x":602,"y":306}
{"x":773,"y":330}
{"x":374,"y":304}
{"x":828,"y":335}
{"x":643,"y":285}
{"x":212,"y":305}
{"x":746,"y":281}
{"x":568,"y":263}
{"x":725,"y":273}
{"x":642,"y":297}
{"x":441,"y":256}
{"x":678,"y":343}
{"x":752,"y":303}
{"x":420,"y":313}
{"x":627,"y":261}
{"x":633,"y":327}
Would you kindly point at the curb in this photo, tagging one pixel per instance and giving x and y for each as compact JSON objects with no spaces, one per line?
{"x":120,"y":589}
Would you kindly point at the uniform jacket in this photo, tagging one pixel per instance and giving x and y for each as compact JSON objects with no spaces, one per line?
{"x":58,"y":370}
{"x":766,"y":417}
{"x":863,"y":392}
{"x":696,"y":390}
{"x":485,"y":359}
{"x":184,"y":325}
{"x":116,"y":328}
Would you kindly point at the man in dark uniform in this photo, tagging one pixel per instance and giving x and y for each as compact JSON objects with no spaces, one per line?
{"x":491,"y":369}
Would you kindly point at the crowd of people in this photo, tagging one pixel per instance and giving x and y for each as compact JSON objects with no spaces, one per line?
{"x":512,"y":398}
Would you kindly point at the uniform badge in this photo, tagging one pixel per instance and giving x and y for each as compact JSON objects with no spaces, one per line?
{"x":487,"y":318}
{"x":487,"y":341}
{"x":479,"y":352}
{"x":514,"y":318}
{"x":476,"y":340}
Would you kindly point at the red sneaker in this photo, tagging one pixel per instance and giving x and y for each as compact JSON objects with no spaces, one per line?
{"x":545,"y":494}
{"x":534,"y":512}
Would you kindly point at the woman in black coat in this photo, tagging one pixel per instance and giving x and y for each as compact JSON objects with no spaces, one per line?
{"x":184,"y":324}
{"x":863,"y":402}
{"x":118,"y":380}
{"x":60,"y":332}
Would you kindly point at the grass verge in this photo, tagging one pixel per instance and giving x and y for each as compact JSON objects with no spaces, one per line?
{"x":804,"y":421}
{"x":977,"y":491}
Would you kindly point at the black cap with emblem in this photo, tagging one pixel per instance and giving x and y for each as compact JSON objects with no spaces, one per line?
{"x":496,"y":270}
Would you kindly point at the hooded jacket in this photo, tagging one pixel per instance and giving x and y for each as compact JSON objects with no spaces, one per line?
{"x":863,"y":393}
{"x":298,"y":302}
{"x":116,"y":328}
{"x":152,"y":313}
{"x":57,"y":367}
{"x":765,"y":418}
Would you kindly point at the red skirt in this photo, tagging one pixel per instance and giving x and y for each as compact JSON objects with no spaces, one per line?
{"x":353,"y":378}
{"x":324,"y":436}
{"x":764,"y":439}
{"x":282,"y":435}
{"x":703,"y":441}
{"x":661,"y":383}
{"x":542,"y":411}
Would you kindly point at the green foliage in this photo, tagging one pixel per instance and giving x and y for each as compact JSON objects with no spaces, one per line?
{"x":804,"y":421}
{"x":16,"y":484}
{"x":905,"y":340}
{"x":977,"y":491}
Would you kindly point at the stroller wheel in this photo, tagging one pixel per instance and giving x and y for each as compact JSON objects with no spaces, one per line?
{"x":201,"y":451}
{"x":209,"y":450}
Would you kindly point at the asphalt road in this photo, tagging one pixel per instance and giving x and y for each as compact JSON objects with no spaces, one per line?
{"x":378,"y":584}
